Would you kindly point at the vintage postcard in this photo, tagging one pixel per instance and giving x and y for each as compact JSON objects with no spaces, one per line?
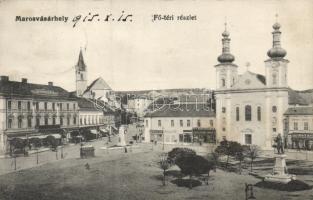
{"x":159,"y":99}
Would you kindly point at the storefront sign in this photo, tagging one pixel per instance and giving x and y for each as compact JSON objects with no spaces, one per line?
{"x":302,"y":136}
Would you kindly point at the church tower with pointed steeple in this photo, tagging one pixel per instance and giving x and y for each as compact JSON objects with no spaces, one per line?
{"x":81,"y":75}
{"x":226,"y":71}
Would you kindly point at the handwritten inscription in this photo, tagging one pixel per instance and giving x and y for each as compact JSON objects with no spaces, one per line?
{"x":79,"y":19}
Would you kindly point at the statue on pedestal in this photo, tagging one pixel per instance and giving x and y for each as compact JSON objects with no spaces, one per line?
{"x":279,"y":144}
{"x":280,"y":172}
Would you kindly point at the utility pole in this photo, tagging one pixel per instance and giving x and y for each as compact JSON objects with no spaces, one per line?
{"x":163,"y":138}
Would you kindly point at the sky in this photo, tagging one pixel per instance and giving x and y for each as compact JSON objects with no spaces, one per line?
{"x":143,"y":54}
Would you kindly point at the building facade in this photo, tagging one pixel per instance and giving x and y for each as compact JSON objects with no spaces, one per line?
{"x":250,"y":106}
{"x":138,"y":105}
{"x":181,"y":123}
{"x":299,"y":127}
{"x":29,"y":110}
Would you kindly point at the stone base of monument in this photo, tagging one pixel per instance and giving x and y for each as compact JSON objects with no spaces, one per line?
{"x":280,"y":174}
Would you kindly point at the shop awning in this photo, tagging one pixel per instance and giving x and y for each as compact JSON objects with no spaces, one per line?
{"x":57,"y":136}
{"x":104,"y":130}
{"x":114,"y":128}
{"x":38,"y":136}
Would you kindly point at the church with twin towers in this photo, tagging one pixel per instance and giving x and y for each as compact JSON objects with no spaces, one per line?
{"x":250,"y":107}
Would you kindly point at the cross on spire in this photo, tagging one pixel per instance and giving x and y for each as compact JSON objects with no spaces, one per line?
{"x":247,"y":65}
{"x":276,"y":16}
{"x":225,"y":23}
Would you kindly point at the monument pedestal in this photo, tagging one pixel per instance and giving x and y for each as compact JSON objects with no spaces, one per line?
{"x":121,"y":139}
{"x":280,"y":174}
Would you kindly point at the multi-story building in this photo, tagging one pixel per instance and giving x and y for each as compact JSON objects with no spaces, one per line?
{"x":138,"y":104}
{"x":29,"y":110}
{"x":95,"y":117}
{"x":299,"y":127}
{"x":180,"y":123}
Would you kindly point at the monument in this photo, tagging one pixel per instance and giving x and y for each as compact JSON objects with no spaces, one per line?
{"x":280,"y":172}
{"x":121,"y":134}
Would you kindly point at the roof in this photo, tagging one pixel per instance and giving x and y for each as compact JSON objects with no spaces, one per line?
{"x":261,"y":78}
{"x":81,"y":64}
{"x":299,"y":111}
{"x":99,"y":83}
{"x":295,"y":98}
{"x":86,"y":104}
{"x":182,"y":110}
{"x":30,"y":90}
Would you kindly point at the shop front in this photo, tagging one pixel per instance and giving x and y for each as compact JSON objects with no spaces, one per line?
{"x":204,"y":135}
{"x":302,"y":141}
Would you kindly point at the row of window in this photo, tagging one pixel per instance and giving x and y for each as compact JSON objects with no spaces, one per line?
{"x":248,"y":112}
{"x":91,"y":120}
{"x":181,"y":123}
{"x":46,"y":105}
{"x":20,"y":122}
{"x":305,"y":126}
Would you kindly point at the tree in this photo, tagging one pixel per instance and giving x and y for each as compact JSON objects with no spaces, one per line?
{"x":177,"y":153}
{"x":240,"y":157}
{"x":252,"y":152}
{"x":229,"y":148}
{"x":214,"y":157}
{"x":164,"y":164}
{"x":51,"y":141}
{"x":193,"y":165}
{"x":37,"y":144}
{"x":17,"y":144}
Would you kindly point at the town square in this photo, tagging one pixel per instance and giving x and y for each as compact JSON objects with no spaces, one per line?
{"x":205,"y":103}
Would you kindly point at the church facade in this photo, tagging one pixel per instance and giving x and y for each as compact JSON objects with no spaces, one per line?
{"x":250,"y":107}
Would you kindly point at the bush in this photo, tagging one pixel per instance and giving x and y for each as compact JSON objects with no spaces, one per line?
{"x":177,"y":153}
{"x":294,"y":185}
{"x":194,"y":165}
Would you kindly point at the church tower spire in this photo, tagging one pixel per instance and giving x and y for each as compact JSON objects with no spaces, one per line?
{"x":226,"y":56}
{"x":276,"y":52}
{"x":276,"y":66}
{"x":81,"y":75}
{"x":226,"y":71}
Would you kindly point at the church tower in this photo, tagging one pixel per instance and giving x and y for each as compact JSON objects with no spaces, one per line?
{"x":226,"y":71}
{"x":81,"y":75}
{"x":276,"y":65}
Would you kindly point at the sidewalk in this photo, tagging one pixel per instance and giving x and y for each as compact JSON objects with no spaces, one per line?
{"x":292,"y":154}
{"x":45,"y":155}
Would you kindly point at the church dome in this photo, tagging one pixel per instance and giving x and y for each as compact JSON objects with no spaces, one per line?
{"x":276,"y":26}
{"x":276,"y":52}
{"x":225,"y":33}
{"x":226,"y":58}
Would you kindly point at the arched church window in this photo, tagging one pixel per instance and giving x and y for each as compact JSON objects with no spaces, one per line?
{"x":274,"y":79}
{"x":274,"y":121}
{"x":248,"y":114}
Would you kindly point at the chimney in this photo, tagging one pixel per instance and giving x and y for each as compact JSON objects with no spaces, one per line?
{"x":4,"y":78}
{"x":50,"y":83}
{"x":24,"y":80}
